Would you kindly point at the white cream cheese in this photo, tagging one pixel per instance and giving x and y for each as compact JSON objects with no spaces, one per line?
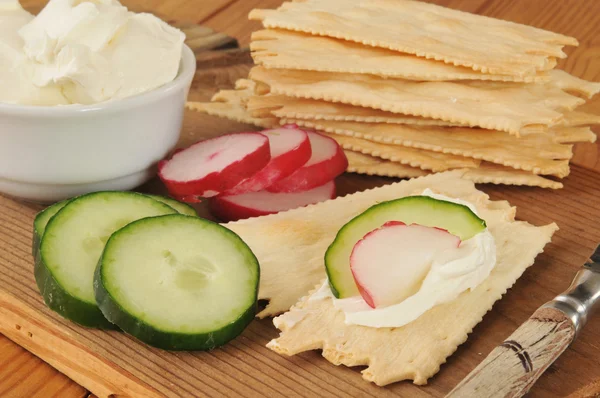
{"x":89,"y":51}
{"x":451,"y":273}
{"x":15,"y":85}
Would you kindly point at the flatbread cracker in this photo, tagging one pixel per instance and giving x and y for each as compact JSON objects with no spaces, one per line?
{"x":230,"y":105}
{"x":577,"y":118}
{"x":414,"y":351}
{"x":489,"y":173}
{"x":486,"y":173}
{"x":285,"y":49}
{"x":565,"y":81}
{"x":308,"y":231}
{"x":569,"y":135}
{"x":538,"y":154}
{"x":365,"y":164}
{"x":286,"y":107}
{"x":492,"y":105}
{"x":426,"y":30}
{"x":425,"y":160}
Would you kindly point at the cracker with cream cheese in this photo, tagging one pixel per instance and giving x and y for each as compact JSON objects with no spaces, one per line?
{"x":284,"y":49}
{"x":484,"y":44}
{"x":492,"y":105}
{"x":230,"y":105}
{"x":308,"y":231}
{"x":416,"y":350}
{"x":538,"y":154}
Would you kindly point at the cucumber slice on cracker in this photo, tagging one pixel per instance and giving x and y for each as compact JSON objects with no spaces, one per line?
{"x":456,"y":218}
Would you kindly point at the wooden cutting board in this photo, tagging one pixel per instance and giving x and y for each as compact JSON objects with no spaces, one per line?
{"x":113,"y":364}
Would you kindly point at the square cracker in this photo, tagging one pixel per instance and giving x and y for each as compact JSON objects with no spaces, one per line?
{"x":535,"y":153}
{"x":286,"y":107}
{"x":285,"y":49}
{"x":484,"y":44}
{"x":485,"y":173}
{"x":307,"y":232}
{"x":490,"y":173}
{"x":577,"y":118}
{"x":415,"y":351}
{"x":492,"y":105}
{"x":417,"y":158}
{"x":230,"y":105}
{"x":365,"y":164}
{"x":565,"y":81}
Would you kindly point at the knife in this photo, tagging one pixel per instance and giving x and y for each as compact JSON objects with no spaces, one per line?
{"x":512,"y":368}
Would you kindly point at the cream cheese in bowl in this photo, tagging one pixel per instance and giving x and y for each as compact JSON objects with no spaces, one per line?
{"x":92,"y":96}
{"x":85,"y":52}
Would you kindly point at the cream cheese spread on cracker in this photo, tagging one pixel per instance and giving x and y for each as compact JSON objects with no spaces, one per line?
{"x":452,"y":273}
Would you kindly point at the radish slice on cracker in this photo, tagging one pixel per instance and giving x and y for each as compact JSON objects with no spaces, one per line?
{"x":255,"y":204}
{"x":290,"y":150}
{"x":211,"y":167}
{"x":327,"y":162}
{"x":390,"y":263}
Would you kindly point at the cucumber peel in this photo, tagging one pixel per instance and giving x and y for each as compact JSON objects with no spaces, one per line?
{"x":40,"y":222}
{"x":179,"y":207}
{"x":456,"y":218}
{"x":177,"y":282}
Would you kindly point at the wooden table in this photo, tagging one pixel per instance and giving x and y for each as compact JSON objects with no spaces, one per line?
{"x":24,"y":375}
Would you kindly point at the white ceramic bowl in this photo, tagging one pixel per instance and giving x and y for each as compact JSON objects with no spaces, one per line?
{"x":52,"y":153}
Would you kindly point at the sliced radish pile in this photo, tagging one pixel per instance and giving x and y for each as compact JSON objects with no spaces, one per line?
{"x":327,"y":162}
{"x":211,"y":167}
{"x":389,"y":263}
{"x":253,"y":174}
{"x":290,"y":150}
{"x":231,"y":208}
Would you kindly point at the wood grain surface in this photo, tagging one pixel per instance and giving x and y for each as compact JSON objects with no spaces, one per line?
{"x":576,"y":209}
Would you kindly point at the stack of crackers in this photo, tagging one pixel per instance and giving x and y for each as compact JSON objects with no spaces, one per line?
{"x":410,"y":88}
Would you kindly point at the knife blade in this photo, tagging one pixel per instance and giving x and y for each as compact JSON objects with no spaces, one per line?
{"x":512,"y":368}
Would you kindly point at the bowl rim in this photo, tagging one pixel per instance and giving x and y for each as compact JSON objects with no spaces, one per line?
{"x":184,"y":77}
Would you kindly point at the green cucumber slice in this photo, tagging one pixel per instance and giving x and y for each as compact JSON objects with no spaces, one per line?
{"x":181,"y":208}
{"x":177,"y":282}
{"x":72,"y":244}
{"x":40,"y":222}
{"x":457,"y":219}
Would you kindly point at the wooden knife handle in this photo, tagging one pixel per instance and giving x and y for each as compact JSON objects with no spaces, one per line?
{"x":513,"y":367}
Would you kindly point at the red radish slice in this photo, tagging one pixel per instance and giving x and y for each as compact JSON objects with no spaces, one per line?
{"x":290,"y":150}
{"x":255,"y":204}
{"x":389,"y":263}
{"x":210,"y":167}
{"x":327,"y":162}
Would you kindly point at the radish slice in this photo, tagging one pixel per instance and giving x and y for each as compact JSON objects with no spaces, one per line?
{"x":389,"y":263}
{"x":327,"y":162}
{"x":210,"y":167}
{"x":255,"y":204}
{"x":290,"y":150}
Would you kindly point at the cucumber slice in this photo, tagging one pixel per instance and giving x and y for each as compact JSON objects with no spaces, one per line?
{"x":72,"y":244}
{"x":181,"y":208}
{"x":40,"y":222}
{"x":177,"y":282}
{"x":457,"y":219}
